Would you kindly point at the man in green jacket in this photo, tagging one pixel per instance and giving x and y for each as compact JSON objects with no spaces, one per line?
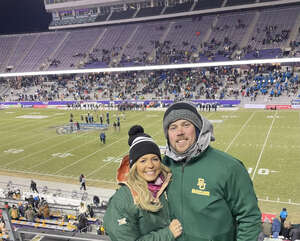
{"x":211,"y":193}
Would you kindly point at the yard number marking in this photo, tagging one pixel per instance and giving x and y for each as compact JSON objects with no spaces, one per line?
{"x":61,"y":155}
{"x":14,"y":151}
{"x":261,"y":171}
{"x":113,"y":159}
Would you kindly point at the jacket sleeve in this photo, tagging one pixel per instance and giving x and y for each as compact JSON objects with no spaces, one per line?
{"x":242,"y":201}
{"x":121,"y":222}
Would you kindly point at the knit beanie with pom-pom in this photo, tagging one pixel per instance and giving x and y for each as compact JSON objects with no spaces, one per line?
{"x":140,"y":144}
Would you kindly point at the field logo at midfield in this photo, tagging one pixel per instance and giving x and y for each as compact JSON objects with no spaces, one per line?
{"x":72,"y":128}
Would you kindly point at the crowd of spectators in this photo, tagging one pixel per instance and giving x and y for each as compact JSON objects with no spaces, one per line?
{"x":166,"y":52}
{"x":34,"y":209}
{"x":274,"y":83}
{"x":204,"y":83}
{"x":271,"y":34}
{"x":279,"y":228}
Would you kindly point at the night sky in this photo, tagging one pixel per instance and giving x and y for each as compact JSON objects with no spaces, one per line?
{"x":23,"y":16}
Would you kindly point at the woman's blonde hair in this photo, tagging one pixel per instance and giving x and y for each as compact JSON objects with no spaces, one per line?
{"x":144,"y":197}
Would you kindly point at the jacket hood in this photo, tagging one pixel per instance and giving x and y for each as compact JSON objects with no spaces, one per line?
{"x":204,"y":138}
{"x":123,"y":170}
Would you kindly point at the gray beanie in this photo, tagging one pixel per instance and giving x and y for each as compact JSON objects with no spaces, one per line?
{"x":182,"y":111}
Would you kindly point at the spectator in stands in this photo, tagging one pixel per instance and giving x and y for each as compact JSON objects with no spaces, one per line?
{"x":267,"y":228}
{"x":139,"y":209}
{"x":36,"y":202}
{"x":21,"y":209}
{"x":213,"y":188}
{"x":276,"y":227}
{"x":33,"y":187}
{"x":82,"y":223}
{"x":30,"y":200}
{"x":44,"y":211}
{"x":295,"y":234}
{"x":30,"y":214}
{"x":286,"y":229}
{"x":96,"y":201}
{"x":2,"y":225}
{"x":83,"y":208}
{"x":6,"y":206}
{"x":101,"y":230}
{"x":90,"y":211}
{"x":14,"y":213}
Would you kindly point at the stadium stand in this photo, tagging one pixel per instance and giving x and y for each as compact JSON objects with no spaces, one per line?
{"x":208,"y":5}
{"x":122,"y":14}
{"x":213,"y":37}
{"x":257,"y":82}
{"x":177,"y":8}
{"x":149,"y":11}
{"x":239,"y":2}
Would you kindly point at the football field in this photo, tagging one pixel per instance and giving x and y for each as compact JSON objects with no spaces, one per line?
{"x":267,"y":142}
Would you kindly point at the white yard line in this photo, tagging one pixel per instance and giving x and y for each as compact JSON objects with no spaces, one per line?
{"x":67,"y":151}
{"x":106,"y":164}
{"x":112,"y":161}
{"x":263,"y":148}
{"x":52,"y":175}
{"x":34,"y":153}
{"x":17,"y":135}
{"x":23,"y":139}
{"x":35,"y":143}
{"x":81,"y":159}
{"x":276,"y":201}
{"x":28,"y":125}
{"x":239,"y":132}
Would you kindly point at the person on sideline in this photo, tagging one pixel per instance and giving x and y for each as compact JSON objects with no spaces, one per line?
{"x":283,"y":215}
{"x":82,"y":182}
{"x":139,"y":210}
{"x":211,"y":193}
{"x":33,"y":187}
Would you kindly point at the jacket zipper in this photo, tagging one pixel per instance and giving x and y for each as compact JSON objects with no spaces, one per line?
{"x":182,"y":196}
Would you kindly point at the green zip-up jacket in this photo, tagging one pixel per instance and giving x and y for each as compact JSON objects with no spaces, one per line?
{"x":125,"y":221}
{"x":212,"y":196}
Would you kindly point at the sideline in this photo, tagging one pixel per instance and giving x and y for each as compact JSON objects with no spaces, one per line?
{"x":265,"y":143}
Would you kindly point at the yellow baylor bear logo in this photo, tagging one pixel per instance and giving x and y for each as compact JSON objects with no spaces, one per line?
{"x":202,"y":186}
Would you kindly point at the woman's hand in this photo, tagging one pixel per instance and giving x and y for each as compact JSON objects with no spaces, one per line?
{"x":176,"y":228}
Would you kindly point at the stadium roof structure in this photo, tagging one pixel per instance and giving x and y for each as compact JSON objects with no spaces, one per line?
{"x":157,"y":67}
{"x":55,"y":6}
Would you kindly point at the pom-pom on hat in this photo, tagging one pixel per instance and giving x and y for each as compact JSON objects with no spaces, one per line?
{"x":140,"y":144}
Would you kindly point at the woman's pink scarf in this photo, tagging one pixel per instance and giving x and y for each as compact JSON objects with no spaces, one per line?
{"x":155,"y":186}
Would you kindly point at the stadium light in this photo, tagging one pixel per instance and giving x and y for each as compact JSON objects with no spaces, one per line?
{"x":154,"y":67}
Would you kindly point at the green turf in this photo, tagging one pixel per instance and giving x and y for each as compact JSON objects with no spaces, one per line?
{"x":268,"y":143}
